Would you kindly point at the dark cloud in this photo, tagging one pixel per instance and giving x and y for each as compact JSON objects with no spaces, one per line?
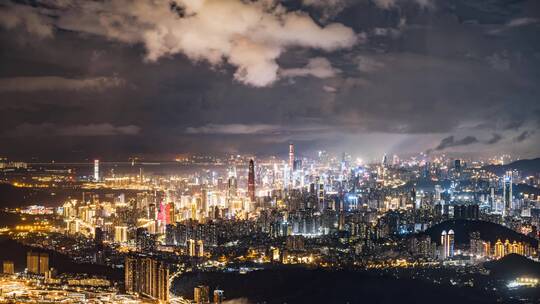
{"x":450,"y":141}
{"x":514,"y":124}
{"x":523,"y":136}
{"x":494,"y":139}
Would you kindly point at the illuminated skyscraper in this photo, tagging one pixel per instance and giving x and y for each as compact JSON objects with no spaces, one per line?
{"x":120,"y":234}
{"x":43,"y":263}
{"x":320,"y":193}
{"x":507,"y":193}
{"x":251,"y":180}
{"x":96,"y":170}
{"x":291,"y":164}
{"x":492,"y":198}
{"x":450,"y":243}
{"x":32,"y":262}
{"x":232,"y":185}
{"x":201,"y":294}
{"x":447,"y":244}
{"x":291,"y":156}
{"x":191,"y":247}
{"x":8,"y":267}
{"x":147,"y":277}
{"x":200,"y":248}
{"x":37,"y":263}
{"x":218,"y":296}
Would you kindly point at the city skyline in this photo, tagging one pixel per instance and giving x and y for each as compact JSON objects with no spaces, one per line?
{"x":363,"y":77}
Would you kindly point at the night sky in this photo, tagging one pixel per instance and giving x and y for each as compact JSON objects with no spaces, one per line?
{"x":156,"y":78}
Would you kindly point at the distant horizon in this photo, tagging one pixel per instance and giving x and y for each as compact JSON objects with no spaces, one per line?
{"x":224,"y":157}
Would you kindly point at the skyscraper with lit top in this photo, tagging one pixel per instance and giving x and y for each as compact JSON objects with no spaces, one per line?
{"x":251,"y":180}
{"x":96,"y":170}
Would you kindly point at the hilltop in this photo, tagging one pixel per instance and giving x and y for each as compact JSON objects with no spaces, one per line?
{"x":488,"y":231}
{"x":513,"y":265}
{"x":526,"y":166}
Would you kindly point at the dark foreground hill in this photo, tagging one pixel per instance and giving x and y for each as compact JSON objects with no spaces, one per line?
{"x":12,"y":197}
{"x":13,"y":251}
{"x":512,"y":266}
{"x":314,"y":286}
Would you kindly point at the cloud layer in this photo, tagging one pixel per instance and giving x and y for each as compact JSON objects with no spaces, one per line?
{"x":55,"y":83}
{"x":317,"y":67}
{"x":450,"y":141}
{"x":249,"y":35}
{"x":49,"y":129}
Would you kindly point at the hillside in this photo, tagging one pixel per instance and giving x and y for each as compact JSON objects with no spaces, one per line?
{"x":513,"y":265}
{"x":11,"y":196}
{"x":488,"y":231}
{"x":16,"y":252}
{"x":526,"y":166}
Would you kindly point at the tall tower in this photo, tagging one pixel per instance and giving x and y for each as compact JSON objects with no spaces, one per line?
{"x":251,"y":180}
{"x":320,"y":192}
{"x":507,"y":192}
{"x":291,"y":164}
{"x":232,"y":183}
{"x":450,"y":243}
{"x":447,"y":244}
{"x":32,"y":262}
{"x":37,"y":263}
{"x":291,"y":155}
{"x":96,"y":170}
{"x":148,"y":277}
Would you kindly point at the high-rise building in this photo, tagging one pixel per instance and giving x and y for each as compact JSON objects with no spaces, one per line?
{"x":120,"y":234}
{"x":438,"y":192}
{"x":144,"y":240}
{"x":291,"y":156}
{"x":147,"y":277}
{"x":507,"y":192}
{"x":291,"y":165}
{"x":43,"y":263}
{"x":36,"y":262}
{"x":96,"y":170}
{"x":320,"y":193}
{"x":32,"y":262}
{"x":201,"y":294}
{"x":218,"y":296}
{"x":8,"y":267}
{"x":447,"y":244}
{"x":98,"y":237}
{"x":192,"y":247}
{"x":476,"y":246}
{"x":200,"y":248}
{"x":457,"y":165}
{"x":251,"y":180}
{"x":492,"y":198}
{"x":232,"y":185}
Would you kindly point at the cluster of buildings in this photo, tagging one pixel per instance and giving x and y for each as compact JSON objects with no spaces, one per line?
{"x":325,"y":210}
{"x":202,"y":295}
{"x":148,"y":277}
